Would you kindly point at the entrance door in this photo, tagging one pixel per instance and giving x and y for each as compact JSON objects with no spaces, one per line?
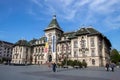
{"x":49,"y":58}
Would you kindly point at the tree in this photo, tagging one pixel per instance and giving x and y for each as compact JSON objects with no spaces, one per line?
{"x":115,"y":56}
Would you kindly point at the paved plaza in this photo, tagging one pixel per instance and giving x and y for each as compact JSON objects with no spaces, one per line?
{"x":42,"y":72}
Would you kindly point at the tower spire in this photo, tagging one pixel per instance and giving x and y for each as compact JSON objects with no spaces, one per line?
{"x":54,"y":16}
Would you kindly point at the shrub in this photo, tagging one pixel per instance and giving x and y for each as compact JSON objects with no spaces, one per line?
{"x":69,"y":62}
{"x":63,"y":62}
{"x":84,"y":64}
{"x":80,"y":64}
{"x":58,"y":65}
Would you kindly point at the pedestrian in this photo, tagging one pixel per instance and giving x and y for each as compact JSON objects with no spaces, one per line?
{"x":49,"y":64}
{"x":54,"y":67}
{"x":107,"y":66}
{"x":112,"y":65}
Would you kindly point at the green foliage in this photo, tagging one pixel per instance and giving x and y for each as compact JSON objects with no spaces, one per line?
{"x":115,"y":56}
{"x":58,"y":65}
{"x":69,"y":62}
{"x":80,"y":64}
{"x":74,"y":63}
{"x":63,"y":62}
{"x":84,"y":64}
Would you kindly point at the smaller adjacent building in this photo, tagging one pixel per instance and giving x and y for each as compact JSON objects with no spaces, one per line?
{"x":5,"y":51}
{"x":21,"y":52}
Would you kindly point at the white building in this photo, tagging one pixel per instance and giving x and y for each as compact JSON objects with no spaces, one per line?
{"x":5,"y":51}
{"x":21,"y":52}
{"x":86,"y":44}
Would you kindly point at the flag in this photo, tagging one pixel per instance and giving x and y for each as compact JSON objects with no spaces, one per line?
{"x":53,"y":44}
{"x":46,"y":47}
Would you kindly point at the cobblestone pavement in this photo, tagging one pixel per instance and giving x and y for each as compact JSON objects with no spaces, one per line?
{"x":42,"y":72}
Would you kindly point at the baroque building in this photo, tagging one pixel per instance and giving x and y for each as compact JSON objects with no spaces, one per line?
{"x":86,"y":44}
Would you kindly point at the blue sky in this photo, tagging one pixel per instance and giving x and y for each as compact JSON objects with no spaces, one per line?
{"x":26,"y":19}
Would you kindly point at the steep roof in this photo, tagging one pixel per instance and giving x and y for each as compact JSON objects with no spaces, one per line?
{"x":43,"y":38}
{"x":1,"y":42}
{"x":89,"y":31}
{"x":22,"y":43}
{"x":93,"y":31}
{"x":70,"y":35}
{"x":32,"y":42}
{"x":53,"y":24}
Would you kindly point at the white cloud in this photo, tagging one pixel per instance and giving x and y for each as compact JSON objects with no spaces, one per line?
{"x":91,"y":11}
{"x":31,"y":12}
{"x":103,"y":6}
{"x":67,"y":2}
{"x":37,"y":2}
{"x":113,"y":22}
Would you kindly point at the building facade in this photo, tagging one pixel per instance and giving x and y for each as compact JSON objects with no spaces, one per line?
{"x":5,"y":51}
{"x":86,"y":44}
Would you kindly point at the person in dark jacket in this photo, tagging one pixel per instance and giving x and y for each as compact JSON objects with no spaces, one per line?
{"x":107,"y":66}
{"x":54,"y":67}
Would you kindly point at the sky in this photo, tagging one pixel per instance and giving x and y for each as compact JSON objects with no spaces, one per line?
{"x":27,"y":19}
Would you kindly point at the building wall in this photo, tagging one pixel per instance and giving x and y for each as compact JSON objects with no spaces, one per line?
{"x":21,"y":55}
{"x":91,"y":48}
{"x":5,"y":51}
{"x":38,"y":56}
{"x":95,"y":52}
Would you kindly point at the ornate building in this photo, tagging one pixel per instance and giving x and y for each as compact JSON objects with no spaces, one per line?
{"x":86,"y":44}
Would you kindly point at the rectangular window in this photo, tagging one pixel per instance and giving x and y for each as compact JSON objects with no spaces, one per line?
{"x":93,"y":52}
{"x":92,"y":42}
{"x":26,"y":50}
{"x":75,"y":44}
{"x":83,"y":43}
{"x":20,"y":49}
{"x":36,"y":50}
{"x":75,"y":54}
{"x":63,"y":47}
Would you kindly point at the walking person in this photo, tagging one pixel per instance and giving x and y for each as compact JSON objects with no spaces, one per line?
{"x":54,"y":67}
{"x":112,"y":65}
{"x":107,"y":66}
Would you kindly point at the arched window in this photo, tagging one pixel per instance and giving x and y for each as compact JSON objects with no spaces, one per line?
{"x":83,"y":60}
{"x":93,"y":61}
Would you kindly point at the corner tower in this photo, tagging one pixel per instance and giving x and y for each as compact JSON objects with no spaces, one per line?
{"x":53,"y":32}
